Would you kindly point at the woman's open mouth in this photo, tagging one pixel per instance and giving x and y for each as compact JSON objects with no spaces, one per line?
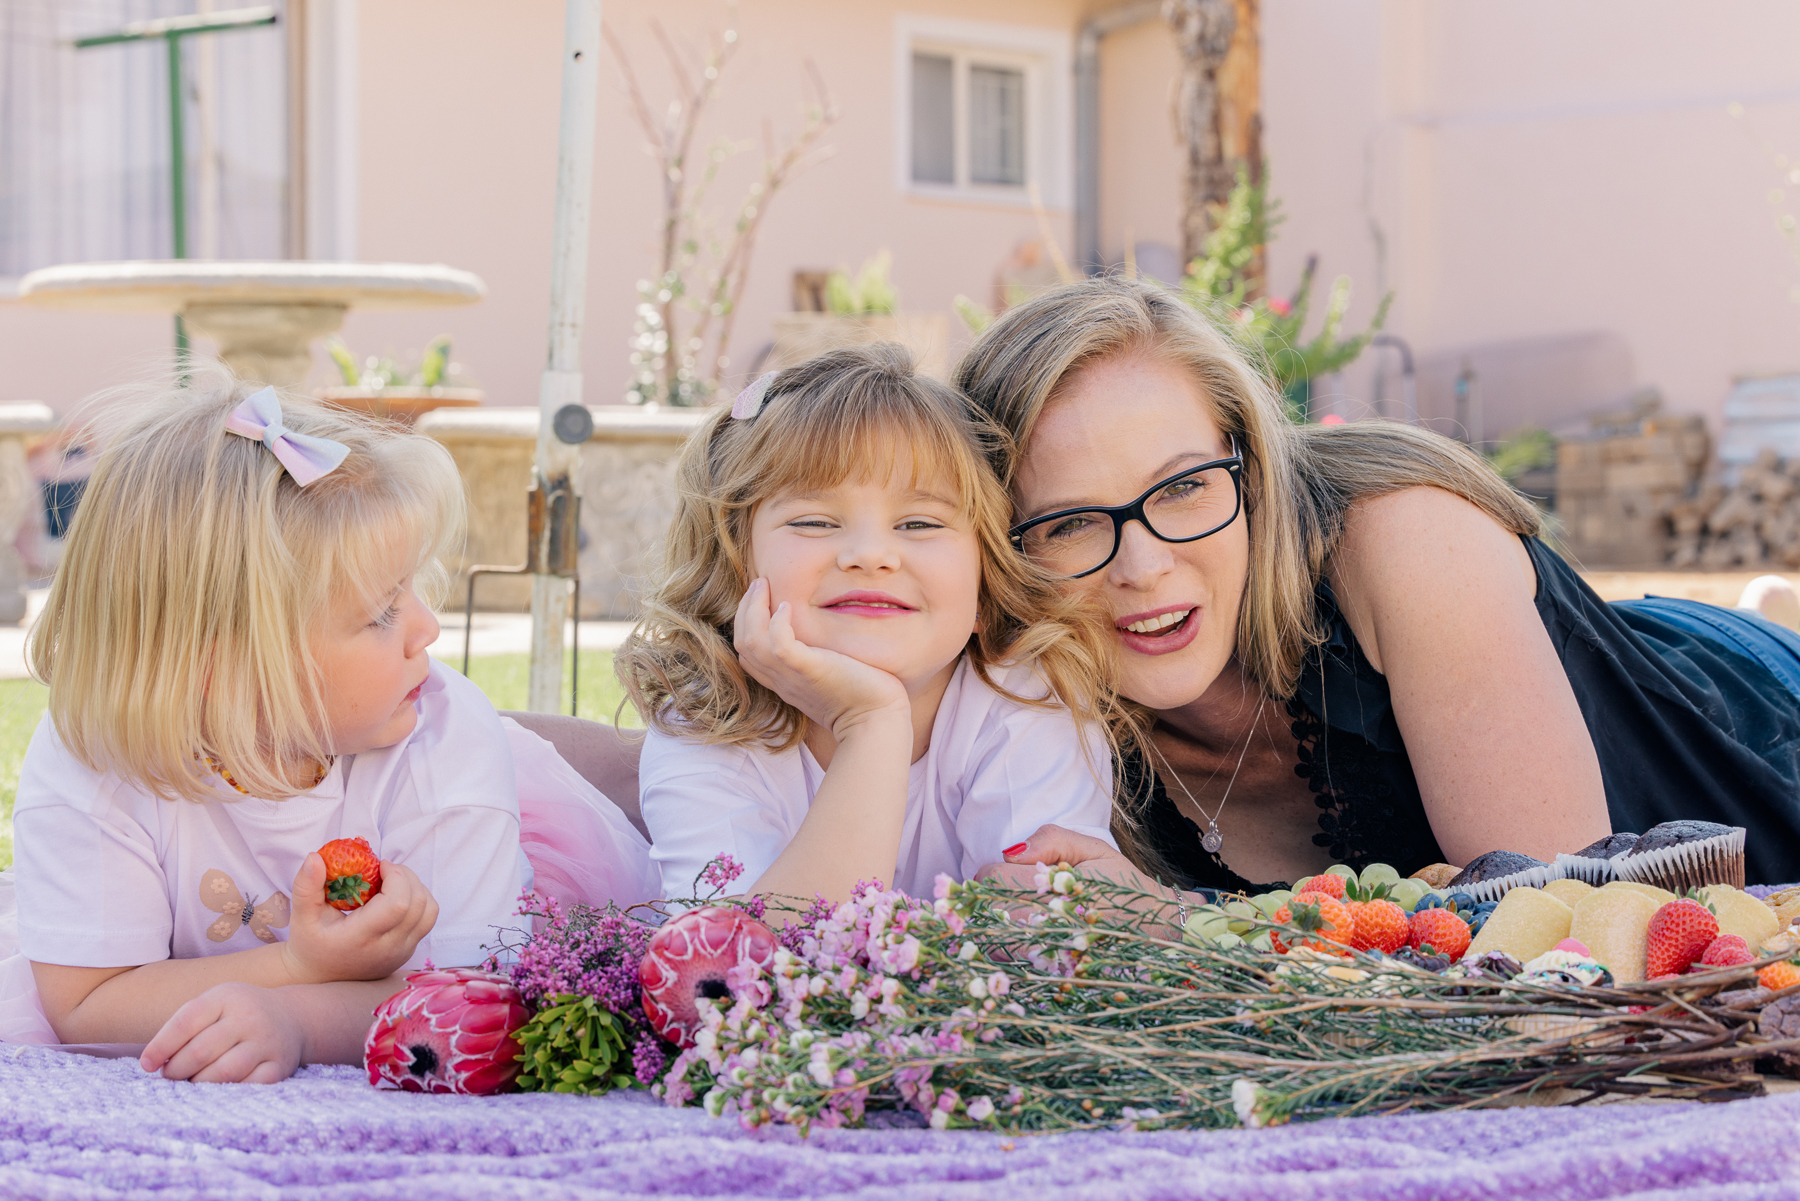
{"x":1161,"y":632}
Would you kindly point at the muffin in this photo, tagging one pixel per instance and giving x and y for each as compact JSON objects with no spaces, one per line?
{"x":1685,"y":854}
{"x":1488,"y":877}
{"x":1593,"y":864}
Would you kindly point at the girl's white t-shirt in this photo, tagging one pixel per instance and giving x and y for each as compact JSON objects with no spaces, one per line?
{"x":111,"y":876}
{"x":995,"y":771}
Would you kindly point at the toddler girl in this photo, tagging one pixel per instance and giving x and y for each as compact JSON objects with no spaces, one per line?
{"x":848,"y":671}
{"x":235,"y":647}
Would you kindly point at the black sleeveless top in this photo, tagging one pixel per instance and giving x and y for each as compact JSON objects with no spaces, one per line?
{"x":1684,"y":727}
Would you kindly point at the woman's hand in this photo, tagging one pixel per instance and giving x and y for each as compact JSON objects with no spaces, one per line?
{"x":370,"y":943}
{"x":1053,"y":844}
{"x":230,"y":1034}
{"x":833,"y":690}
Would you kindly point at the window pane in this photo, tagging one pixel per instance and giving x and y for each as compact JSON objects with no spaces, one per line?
{"x":933,"y":120}
{"x":996,"y":125}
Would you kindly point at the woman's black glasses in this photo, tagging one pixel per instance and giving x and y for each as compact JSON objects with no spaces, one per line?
{"x":1186,"y":507}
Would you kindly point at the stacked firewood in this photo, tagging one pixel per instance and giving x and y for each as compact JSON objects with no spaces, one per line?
{"x":1755,"y":523}
{"x":1616,"y":489}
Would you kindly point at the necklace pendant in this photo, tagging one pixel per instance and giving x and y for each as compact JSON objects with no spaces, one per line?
{"x":1212,"y":840}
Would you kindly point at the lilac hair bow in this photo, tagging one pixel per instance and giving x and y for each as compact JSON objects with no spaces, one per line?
{"x":749,"y":402}
{"x":305,"y":457}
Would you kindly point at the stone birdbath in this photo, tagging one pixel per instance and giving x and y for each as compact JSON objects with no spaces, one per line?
{"x":264,"y":316}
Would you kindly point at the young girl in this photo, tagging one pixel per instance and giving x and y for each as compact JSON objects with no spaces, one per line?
{"x":235,"y":647}
{"x":848,"y":671}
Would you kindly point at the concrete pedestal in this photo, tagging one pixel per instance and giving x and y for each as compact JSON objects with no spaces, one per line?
{"x":626,"y":481}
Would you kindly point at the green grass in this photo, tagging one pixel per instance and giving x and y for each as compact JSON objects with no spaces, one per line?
{"x":502,"y":677}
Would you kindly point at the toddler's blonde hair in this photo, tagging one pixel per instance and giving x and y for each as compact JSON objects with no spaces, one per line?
{"x":835,"y":418}
{"x":180,"y":623}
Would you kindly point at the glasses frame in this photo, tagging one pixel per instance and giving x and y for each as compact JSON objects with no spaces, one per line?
{"x":1122,"y":514}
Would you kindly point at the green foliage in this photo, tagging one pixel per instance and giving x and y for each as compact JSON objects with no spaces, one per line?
{"x":22,"y":705}
{"x":572,"y":1045}
{"x":869,"y":292}
{"x":1272,"y":330}
{"x":377,"y":371}
{"x":974,"y":314}
{"x":1525,"y":450}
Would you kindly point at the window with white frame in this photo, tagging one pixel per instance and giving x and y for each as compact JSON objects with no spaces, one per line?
{"x":983,"y":110}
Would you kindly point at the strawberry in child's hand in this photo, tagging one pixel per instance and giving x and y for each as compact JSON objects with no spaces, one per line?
{"x":1679,"y":933}
{"x":1446,"y":932}
{"x":352,"y":872}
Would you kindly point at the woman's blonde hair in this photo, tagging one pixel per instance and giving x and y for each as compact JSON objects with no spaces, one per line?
{"x":835,"y":418}
{"x":1299,"y":481}
{"x":180,"y":623}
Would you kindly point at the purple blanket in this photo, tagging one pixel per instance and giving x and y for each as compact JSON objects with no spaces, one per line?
{"x":76,"y":1127}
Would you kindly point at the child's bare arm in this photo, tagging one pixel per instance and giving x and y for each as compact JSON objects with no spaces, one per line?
{"x":130,"y":1004}
{"x":238,"y":1033}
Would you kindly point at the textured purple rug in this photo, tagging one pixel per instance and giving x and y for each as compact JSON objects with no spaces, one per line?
{"x":76,"y":1127}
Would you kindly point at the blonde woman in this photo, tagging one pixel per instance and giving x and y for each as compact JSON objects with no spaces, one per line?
{"x":848,"y":673}
{"x":235,"y":648}
{"x":1349,"y":641}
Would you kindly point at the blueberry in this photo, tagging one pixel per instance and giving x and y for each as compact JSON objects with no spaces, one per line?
{"x":1462,"y":900}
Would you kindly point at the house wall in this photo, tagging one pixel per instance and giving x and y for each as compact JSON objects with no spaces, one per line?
{"x":1513,"y":172}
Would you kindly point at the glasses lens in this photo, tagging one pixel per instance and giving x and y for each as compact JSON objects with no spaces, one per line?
{"x":1194,"y":504}
{"x":1072,"y":544}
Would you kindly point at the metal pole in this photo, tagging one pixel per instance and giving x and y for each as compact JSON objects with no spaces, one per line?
{"x":561,"y":382}
{"x":177,"y":173}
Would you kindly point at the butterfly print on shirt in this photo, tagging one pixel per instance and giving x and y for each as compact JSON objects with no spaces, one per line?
{"x":219,"y":894}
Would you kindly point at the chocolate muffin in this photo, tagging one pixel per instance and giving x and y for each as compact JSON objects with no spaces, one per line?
{"x":1672,"y":834}
{"x":1608,"y":847}
{"x":1686,"y":854}
{"x":1493,"y":866}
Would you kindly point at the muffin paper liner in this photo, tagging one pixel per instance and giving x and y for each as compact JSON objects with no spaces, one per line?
{"x":1587,"y":869}
{"x":1499,"y":886}
{"x":1717,"y":860}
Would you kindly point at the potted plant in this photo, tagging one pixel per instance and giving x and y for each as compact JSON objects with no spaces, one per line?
{"x":380,"y":386}
{"x":861,"y":309}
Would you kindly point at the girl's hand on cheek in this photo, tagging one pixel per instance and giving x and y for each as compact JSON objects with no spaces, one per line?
{"x":370,"y":943}
{"x":834,"y":690}
{"x":230,"y":1034}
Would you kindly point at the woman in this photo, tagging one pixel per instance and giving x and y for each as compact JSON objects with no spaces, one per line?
{"x":1349,"y":641}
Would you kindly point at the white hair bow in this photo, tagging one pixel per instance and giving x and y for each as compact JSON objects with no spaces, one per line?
{"x":305,"y":457}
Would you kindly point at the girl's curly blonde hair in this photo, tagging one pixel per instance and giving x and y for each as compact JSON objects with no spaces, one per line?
{"x":832,"y":419}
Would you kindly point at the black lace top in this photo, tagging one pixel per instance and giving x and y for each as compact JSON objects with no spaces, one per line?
{"x":1684,"y":727}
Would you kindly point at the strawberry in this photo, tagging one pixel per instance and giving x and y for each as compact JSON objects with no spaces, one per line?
{"x":1679,"y":933}
{"x":1381,"y":925}
{"x":352,"y":872}
{"x":1445,"y":931}
{"x":1778,"y":976}
{"x":1324,"y":923}
{"x":1325,"y":882}
{"x":1727,"y":950}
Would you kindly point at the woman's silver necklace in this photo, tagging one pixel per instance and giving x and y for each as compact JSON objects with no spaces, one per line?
{"x":1212,"y":840}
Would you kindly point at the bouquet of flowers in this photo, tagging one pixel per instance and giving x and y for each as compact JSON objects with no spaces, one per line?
{"x":1075,"y":1005}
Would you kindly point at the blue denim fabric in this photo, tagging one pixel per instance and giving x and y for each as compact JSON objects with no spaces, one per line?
{"x":1775,"y":647}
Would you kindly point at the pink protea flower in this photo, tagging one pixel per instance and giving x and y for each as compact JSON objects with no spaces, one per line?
{"x":449,"y":1030}
{"x":691,"y":957}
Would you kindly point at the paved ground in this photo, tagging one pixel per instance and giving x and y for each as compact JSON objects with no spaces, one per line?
{"x":510,"y":633}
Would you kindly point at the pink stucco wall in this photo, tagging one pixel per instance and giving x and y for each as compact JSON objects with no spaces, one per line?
{"x":1534,"y":168}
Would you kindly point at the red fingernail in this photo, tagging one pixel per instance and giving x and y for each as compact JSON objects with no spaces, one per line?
{"x":1014,"y":850}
